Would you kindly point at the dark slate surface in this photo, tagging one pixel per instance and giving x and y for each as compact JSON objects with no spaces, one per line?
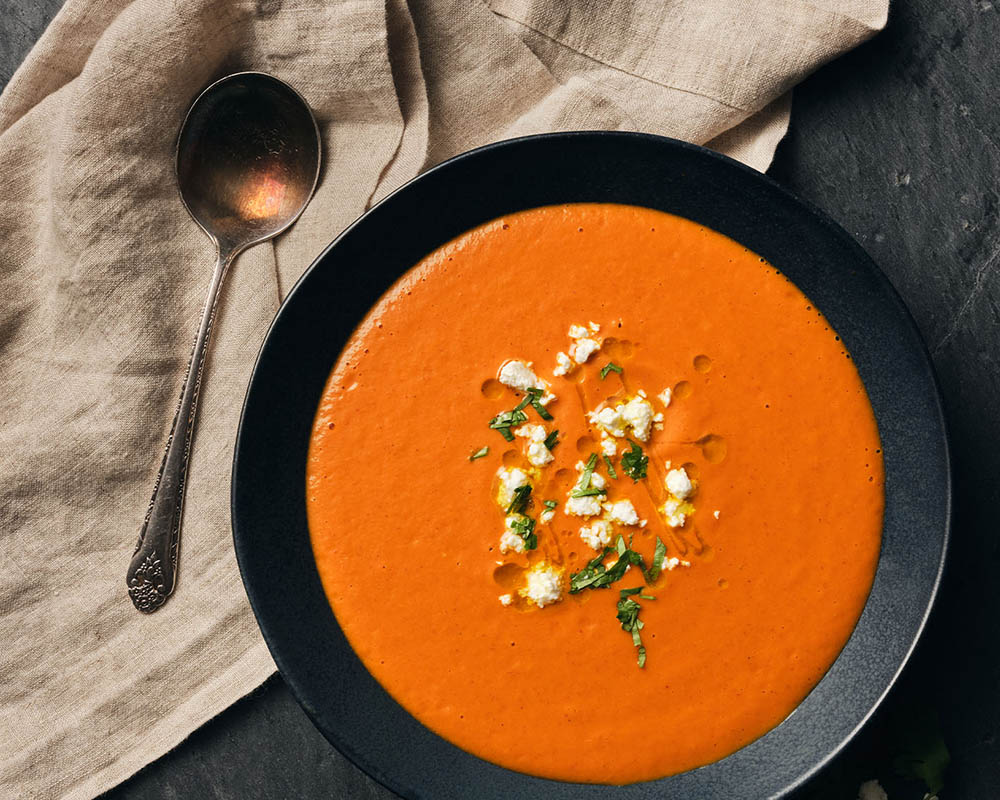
{"x":900,"y":142}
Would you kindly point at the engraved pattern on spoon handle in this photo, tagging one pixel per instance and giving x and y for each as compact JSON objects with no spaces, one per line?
{"x":152,"y":571}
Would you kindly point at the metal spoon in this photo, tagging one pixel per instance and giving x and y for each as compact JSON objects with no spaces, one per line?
{"x":248,"y":159}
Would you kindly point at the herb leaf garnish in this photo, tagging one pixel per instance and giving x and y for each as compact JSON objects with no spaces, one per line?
{"x":533,"y":396}
{"x":505,"y":420}
{"x":611,"y":467}
{"x":628,"y":616}
{"x":552,"y":439}
{"x":611,"y":366}
{"x":596,"y":576}
{"x":482,"y":451}
{"x":634,"y":462}
{"x":525,"y":528}
{"x":588,"y":470}
{"x":550,"y":504}
{"x":658,"y":555}
{"x":520,"y":502}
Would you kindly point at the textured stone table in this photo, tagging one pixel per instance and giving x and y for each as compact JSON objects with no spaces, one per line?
{"x":900,"y":142}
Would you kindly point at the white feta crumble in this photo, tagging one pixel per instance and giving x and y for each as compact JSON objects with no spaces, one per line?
{"x":547,"y":515}
{"x":506,"y":599}
{"x":638,"y":414}
{"x":678,"y":483}
{"x":536,"y":451}
{"x":510,"y":479}
{"x":609,"y":419}
{"x":673,"y":513}
{"x":578,"y":332}
{"x":622,"y":511}
{"x":583,"y":349}
{"x":671,"y":563}
{"x":665,"y":397}
{"x":510,"y":540}
{"x":583,"y":506}
{"x":641,"y":393}
{"x":608,"y":446}
{"x":594,"y":327}
{"x":563,"y":364}
{"x":589,"y":506}
{"x":597,"y":534}
{"x":534,"y":432}
{"x":538,"y":454}
{"x":519,"y":376}
{"x":543,"y":585}
{"x":715,"y":514}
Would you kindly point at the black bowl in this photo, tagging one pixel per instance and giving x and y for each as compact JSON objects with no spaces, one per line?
{"x":268,"y":495}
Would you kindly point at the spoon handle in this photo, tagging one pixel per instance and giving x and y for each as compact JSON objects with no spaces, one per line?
{"x":152,"y":571}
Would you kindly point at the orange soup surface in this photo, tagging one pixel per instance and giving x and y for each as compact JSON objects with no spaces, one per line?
{"x":711,"y":435}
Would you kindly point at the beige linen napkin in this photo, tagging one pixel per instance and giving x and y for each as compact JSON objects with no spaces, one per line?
{"x":102,"y":277}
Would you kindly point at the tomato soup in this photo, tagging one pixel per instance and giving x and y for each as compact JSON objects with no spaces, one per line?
{"x":596,"y":493}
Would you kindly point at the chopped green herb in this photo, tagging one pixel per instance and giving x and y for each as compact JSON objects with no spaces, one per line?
{"x":596,"y":576}
{"x":482,"y":451}
{"x":634,"y":462}
{"x":525,"y":528}
{"x":550,"y":504}
{"x":588,"y":470}
{"x":588,"y":492}
{"x":611,"y":366}
{"x":542,"y":411}
{"x":611,"y":467}
{"x":628,"y":616}
{"x":520,"y":502}
{"x":658,"y":555}
{"x":552,"y":439}
{"x":505,"y":420}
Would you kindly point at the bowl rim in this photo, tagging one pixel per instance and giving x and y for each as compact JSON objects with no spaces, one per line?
{"x":301,"y":680}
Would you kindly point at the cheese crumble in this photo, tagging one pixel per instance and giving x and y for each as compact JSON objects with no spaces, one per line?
{"x":536,"y":451}
{"x":510,"y":540}
{"x":583,"y":349}
{"x":543,"y":585}
{"x":622,"y":511}
{"x":506,"y":599}
{"x":635,"y":415}
{"x":608,"y":446}
{"x":510,"y":479}
{"x":519,"y":376}
{"x":597,"y":534}
{"x":678,"y":483}
{"x":563,"y":364}
{"x":665,"y":397}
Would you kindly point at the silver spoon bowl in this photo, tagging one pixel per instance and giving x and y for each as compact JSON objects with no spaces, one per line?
{"x":248,"y":159}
